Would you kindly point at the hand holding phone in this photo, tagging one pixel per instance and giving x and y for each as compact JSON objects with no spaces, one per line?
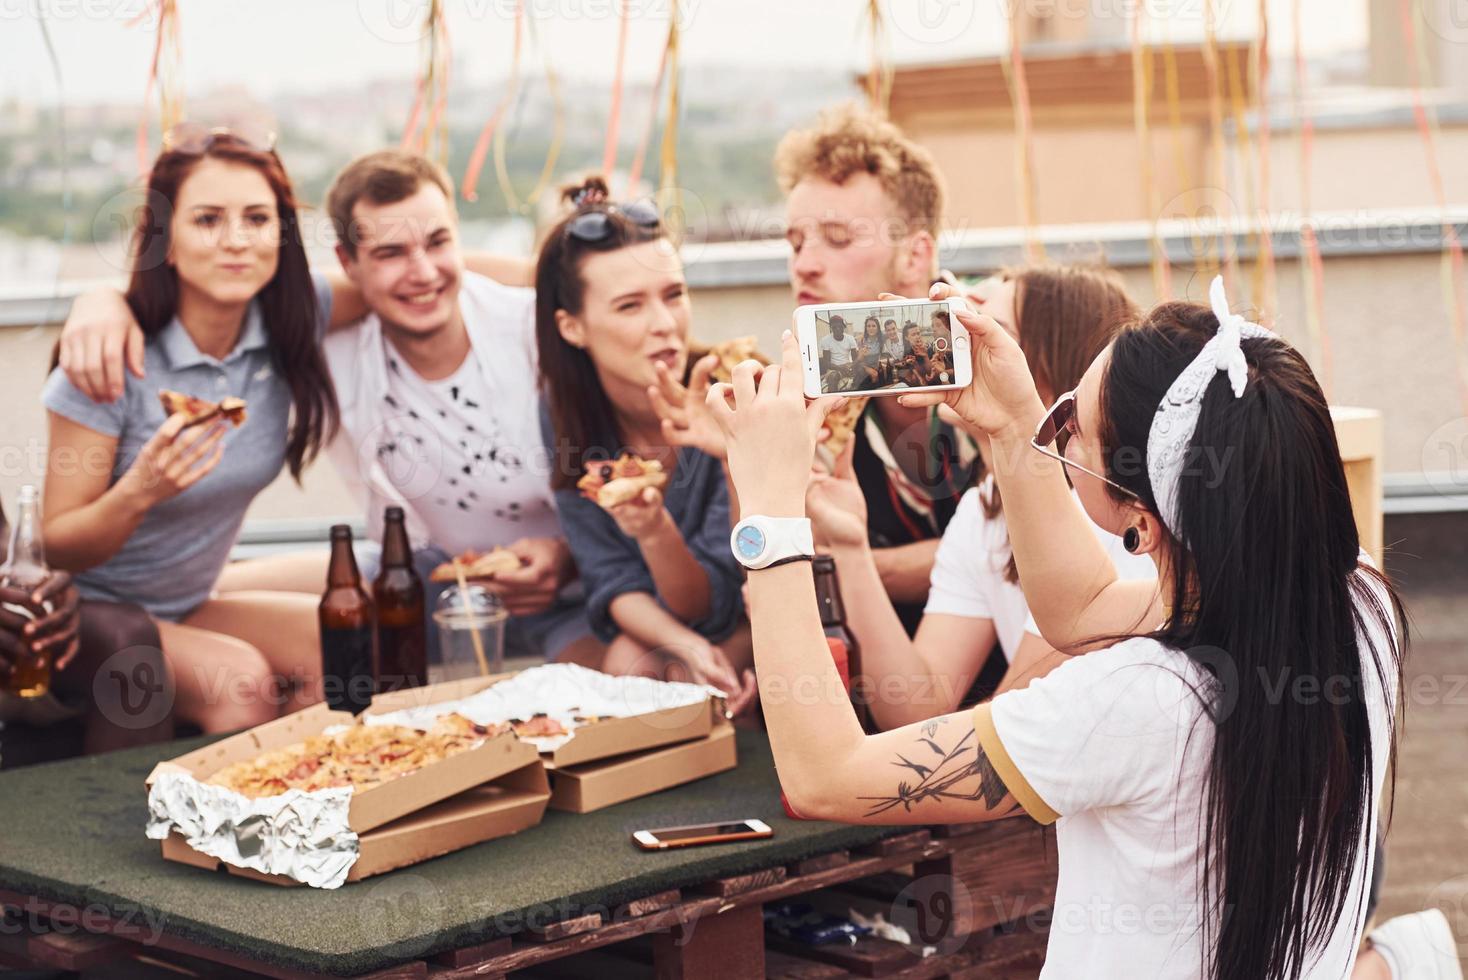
{"x":883,"y":347}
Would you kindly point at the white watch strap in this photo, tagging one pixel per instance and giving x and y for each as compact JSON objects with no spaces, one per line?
{"x":785,"y":538}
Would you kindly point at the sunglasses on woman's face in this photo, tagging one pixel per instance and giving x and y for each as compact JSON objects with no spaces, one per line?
{"x":1054,"y":433}
{"x":194,"y":139}
{"x":596,"y":226}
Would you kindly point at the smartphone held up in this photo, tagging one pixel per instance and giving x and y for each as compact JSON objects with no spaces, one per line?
{"x":882,"y":348}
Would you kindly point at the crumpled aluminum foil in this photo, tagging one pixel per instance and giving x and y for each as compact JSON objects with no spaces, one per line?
{"x":302,"y":835}
{"x":562,"y":691}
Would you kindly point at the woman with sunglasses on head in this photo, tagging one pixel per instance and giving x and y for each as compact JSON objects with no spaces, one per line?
{"x":144,"y":506}
{"x":612,"y":311}
{"x":1236,"y":822}
{"x":1063,"y":316}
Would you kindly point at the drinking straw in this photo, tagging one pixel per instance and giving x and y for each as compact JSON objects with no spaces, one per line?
{"x":474,"y":634}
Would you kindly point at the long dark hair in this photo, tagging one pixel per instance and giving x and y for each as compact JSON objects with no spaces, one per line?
{"x":580,"y":412}
{"x":287,"y":301}
{"x":1265,"y":569}
{"x":1066,"y":315}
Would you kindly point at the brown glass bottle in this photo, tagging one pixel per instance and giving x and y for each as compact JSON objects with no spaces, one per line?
{"x":833,"y":621}
{"x":402,"y":626}
{"x":348,"y":630}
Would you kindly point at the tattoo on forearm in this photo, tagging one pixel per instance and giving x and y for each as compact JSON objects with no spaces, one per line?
{"x":946,"y":776}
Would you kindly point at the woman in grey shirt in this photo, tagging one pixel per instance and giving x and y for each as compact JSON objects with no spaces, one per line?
{"x":144,"y":509}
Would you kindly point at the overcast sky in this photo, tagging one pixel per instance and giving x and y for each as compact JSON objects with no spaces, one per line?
{"x":294,"y":45}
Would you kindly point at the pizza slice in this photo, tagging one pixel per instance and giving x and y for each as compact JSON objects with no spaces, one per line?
{"x":197,"y":411}
{"x":608,"y":483}
{"x":540,"y":725}
{"x":842,"y":424}
{"x":731,"y":353}
{"x":477,"y":565}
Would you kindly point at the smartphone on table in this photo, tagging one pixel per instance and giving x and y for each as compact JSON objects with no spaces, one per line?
{"x":703,"y":833}
{"x":877,"y":348}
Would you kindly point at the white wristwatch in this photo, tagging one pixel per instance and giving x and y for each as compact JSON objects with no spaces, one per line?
{"x":763,"y":542}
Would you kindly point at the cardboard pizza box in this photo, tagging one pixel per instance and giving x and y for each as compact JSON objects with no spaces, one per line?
{"x":598,"y":740}
{"x":507,"y":805}
{"x":373,"y":807}
{"x":592,"y":785}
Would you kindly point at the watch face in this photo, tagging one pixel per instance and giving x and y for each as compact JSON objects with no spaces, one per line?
{"x":750,"y":542}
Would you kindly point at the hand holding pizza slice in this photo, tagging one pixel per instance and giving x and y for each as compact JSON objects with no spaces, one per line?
{"x":608,"y":483}
{"x":197,"y":411}
{"x":477,"y":565}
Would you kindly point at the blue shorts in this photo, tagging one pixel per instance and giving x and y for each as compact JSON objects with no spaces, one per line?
{"x":544,"y":635}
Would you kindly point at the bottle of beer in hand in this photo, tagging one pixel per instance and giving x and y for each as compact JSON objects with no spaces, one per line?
{"x":348,"y":629}
{"x":844,"y":648}
{"x":402,"y":624}
{"x":25,"y":569}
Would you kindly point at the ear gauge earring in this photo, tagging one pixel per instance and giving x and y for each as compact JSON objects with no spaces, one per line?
{"x":1131,"y":540}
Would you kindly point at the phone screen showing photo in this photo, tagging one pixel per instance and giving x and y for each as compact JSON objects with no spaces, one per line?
{"x":879,"y":348}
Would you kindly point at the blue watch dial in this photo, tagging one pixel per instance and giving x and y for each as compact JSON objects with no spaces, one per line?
{"x":750,"y":542}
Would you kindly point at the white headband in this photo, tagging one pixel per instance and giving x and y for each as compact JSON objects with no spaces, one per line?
{"x":1177,"y":416}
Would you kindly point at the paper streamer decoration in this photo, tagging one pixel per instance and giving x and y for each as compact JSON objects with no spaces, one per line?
{"x":558,"y":135}
{"x":634,"y":175}
{"x":1024,"y":142}
{"x":670,"y":194}
{"x":164,"y":71}
{"x":1452,"y":261}
{"x":470,"y":183}
{"x":1312,"y":267}
{"x":614,"y":114}
{"x":1141,"y":99}
{"x":431,"y":95}
{"x":1265,"y":290}
{"x":1228,"y":266}
{"x":880,"y":75}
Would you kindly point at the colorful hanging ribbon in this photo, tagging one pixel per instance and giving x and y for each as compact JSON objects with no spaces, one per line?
{"x":634,"y":175}
{"x":1452,"y":260}
{"x":670,"y":194}
{"x":512,"y":86}
{"x":165,"y":70}
{"x":1312,"y":266}
{"x":1227,"y":264}
{"x":1141,"y":99}
{"x":558,"y":135}
{"x":614,"y":114}
{"x":881,"y":73}
{"x":1265,"y":290}
{"x":1024,"y":141}
{"x":431,"y":94}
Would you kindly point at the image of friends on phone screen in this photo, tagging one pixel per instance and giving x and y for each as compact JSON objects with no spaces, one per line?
{"x":884,"y":347}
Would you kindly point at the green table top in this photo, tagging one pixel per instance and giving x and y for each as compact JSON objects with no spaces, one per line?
{"x":72,"y":832}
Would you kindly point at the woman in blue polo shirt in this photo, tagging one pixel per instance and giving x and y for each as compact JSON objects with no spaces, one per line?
{"x":144,"y":509}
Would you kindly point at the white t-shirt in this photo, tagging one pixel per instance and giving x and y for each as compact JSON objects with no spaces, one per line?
{"x":1116,"y":744}
{"x":968,"y":573}
{"x":465,"y":452}
{"x":839,"y":351}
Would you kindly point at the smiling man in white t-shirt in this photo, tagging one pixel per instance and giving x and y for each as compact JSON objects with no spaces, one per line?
{"x":438,"y":400}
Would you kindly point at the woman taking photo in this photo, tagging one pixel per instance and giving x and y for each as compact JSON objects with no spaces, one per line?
{"x":612,"y":310}
{"x":1177,"y":780}
{"x":221,"y":290}
{"x":1062,"y":316}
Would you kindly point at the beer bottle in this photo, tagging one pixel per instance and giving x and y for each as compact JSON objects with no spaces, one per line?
{"x":844,"y":648}
{"x":402,"y":626}
{"x":25,"y":569}
{"x":348,"y":629}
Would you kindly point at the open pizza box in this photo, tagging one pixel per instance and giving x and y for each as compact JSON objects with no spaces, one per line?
{"x":505,"y":773}
{"x":602,"y":738}
{"x":588,"y":786}
{"x":506,"y":805}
